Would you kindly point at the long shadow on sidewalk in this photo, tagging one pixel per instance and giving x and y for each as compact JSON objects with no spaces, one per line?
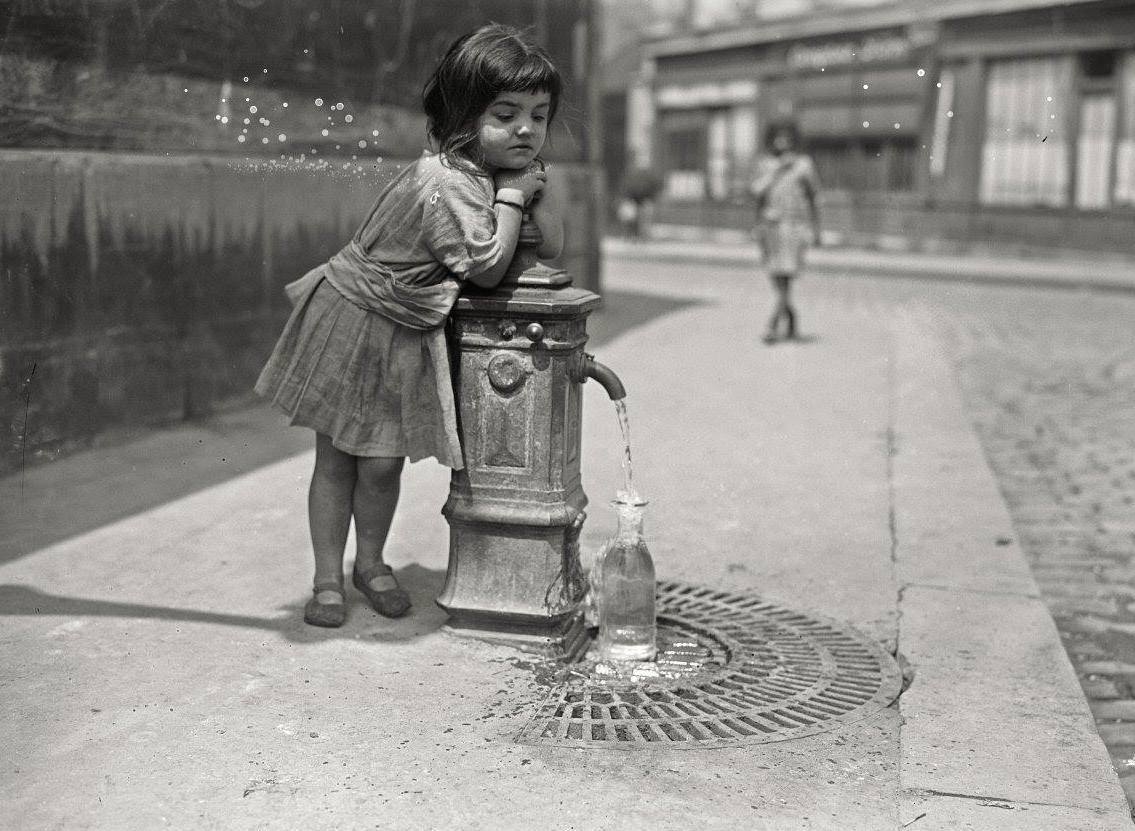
{"x":422,"y":583}
{"x":63,"y":499}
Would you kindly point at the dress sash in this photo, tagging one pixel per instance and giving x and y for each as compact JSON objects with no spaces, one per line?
{"x":372,"y":286}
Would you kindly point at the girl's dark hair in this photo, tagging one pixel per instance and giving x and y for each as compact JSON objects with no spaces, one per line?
{"x":477,"y":68}
{"x":785,"y":126}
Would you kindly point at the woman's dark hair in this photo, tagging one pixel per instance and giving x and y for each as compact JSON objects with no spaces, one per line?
{"x":776,"y":128}
{"x":477,"y":68}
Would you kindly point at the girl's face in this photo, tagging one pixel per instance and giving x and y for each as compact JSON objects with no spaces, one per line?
{"x":782,"y":142}
{"x":512,"y":129}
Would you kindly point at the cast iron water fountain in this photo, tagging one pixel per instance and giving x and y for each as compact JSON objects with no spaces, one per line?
{"x":515,"y":512}
{"x":726,"y":667}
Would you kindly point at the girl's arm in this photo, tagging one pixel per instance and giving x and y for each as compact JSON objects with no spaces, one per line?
{"x":548,"y":213}
{"x":508,"y":230}
{"x":514,"y":189}
{"x":766,"y":175}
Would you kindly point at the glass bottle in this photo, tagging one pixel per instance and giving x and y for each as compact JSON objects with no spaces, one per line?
{"x":624,"y":590}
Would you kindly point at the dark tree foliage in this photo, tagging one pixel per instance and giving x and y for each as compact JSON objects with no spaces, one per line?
{"x":365,"y":51}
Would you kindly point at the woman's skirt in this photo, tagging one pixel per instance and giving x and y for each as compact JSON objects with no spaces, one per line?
{"x":376,"y":387}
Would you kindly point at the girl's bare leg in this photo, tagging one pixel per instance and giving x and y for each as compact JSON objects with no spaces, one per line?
{"x":781,"y":284}
{"x":329,"y":509}
{"x":789,"y":310}
{"x":375,"y":498}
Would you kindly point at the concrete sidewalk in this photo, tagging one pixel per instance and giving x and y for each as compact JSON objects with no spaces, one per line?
{"x":155,"y":671}
{"x":1069,"y":272}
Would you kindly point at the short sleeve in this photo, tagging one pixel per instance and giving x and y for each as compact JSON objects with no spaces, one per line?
{"x":459,"y":226}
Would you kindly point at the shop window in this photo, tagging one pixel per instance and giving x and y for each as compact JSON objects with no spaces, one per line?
{"x":1125,"y":150}
{"x":685,"y":149}
{"x":886,"y":165}
{"x":742,"y":148}
{"x":873,"y":166}
{"x":1094,"y":147}
{"x":1096,"y":129}
{"x":834,"y":165}
{"x":732,"y":146}
{"x":943,"y":118}
{"x":1098,"y":66}
{"x":708,"y":152}
{"x":718,"y":162}
{"x":901,"y":165}
{"x":1025,"y":155}
{"x":684,"y":152}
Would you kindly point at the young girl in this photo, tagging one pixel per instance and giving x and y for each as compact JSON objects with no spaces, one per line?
{"x":362,"y":360}
{"x":786,"y":189}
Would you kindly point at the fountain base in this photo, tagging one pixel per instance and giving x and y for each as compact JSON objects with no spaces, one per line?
{"x":562,"y":640}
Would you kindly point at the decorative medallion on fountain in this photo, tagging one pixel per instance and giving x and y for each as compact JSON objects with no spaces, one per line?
{"x":507,"y":413}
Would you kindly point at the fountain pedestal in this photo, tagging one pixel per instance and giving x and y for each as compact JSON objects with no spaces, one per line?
{"x":516,"y":510}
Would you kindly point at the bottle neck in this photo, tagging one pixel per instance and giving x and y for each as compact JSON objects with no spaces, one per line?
{"x":630,"y":523}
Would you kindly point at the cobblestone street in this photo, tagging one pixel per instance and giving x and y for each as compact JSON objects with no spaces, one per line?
{"x":1049,"y":377}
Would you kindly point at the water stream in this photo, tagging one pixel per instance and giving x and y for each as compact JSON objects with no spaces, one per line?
{"x":628,"y":494}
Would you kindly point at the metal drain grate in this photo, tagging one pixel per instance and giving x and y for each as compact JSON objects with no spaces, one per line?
{"x":731,"y":669}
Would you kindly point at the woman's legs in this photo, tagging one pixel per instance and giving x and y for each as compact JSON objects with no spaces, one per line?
{"x":329,"y":509}
{"x":375,"y":498}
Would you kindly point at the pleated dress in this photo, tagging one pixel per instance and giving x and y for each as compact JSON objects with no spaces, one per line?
{"x":363,"y":357}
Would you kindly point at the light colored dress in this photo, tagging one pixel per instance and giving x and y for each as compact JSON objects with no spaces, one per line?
{"x":363,"y":356}
{"x":785,"y":221}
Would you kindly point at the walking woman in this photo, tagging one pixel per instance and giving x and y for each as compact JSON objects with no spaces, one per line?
{"x":788,"y":221}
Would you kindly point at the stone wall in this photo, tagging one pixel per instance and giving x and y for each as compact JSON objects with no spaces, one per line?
{"x":143,"y":289}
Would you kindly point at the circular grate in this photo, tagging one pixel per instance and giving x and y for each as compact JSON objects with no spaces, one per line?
{"x":731,"y":669}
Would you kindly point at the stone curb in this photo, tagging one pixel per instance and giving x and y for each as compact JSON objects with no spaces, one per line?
{"x":990,"y":665}
{"x":1104,"y":276}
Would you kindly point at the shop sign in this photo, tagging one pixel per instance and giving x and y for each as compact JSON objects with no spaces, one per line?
{"x":870,"y":49}
{"x":706,"y":95}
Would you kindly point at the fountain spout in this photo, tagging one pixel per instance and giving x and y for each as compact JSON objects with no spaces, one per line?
{"x":591,"y":368}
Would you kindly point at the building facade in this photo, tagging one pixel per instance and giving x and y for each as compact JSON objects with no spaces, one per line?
{"x":955,"y":122}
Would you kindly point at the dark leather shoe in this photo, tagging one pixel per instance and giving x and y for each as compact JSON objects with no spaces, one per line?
{"x":388,"y":602}
{"x":330,"y":615}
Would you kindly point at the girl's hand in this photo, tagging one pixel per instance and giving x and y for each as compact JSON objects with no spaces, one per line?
{"x":548,"y":212}
{"x":529,"y":181}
